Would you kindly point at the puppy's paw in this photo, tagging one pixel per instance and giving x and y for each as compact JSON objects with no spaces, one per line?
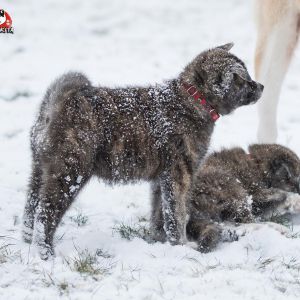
{"x":292,"y":204}
{"x":244,"y":229}
{"x":229,"y":235}
{"x":210,"y":238}
{"x":277,"y":195}
{"x":158,"y":235}
{"x":46,"y":252}
{"x":192,"y":245}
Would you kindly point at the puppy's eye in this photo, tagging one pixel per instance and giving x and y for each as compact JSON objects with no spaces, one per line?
{"x":219,"y":79}
{"x":283,"y":173}
{"x":239,"y":80}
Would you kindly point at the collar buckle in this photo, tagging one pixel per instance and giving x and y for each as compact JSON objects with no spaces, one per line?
{"x":192,"y":93}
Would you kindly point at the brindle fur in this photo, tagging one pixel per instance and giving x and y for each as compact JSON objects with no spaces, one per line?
{"x":157,"y":133}
{"x":238,"y":187}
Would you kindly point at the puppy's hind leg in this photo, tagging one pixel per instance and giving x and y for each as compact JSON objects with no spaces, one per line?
{"x":277,"y":38}
{"x":62,"y":180}
{"x":292,"y":204}
{"x":32,"y":202}
{"x":206,"y":234}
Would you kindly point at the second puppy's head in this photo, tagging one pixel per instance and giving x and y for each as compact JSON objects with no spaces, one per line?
{"x":280,"y":166}
{"x":223,"y":79}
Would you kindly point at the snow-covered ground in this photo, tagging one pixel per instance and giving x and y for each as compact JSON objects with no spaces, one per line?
{"x":117,"y":42}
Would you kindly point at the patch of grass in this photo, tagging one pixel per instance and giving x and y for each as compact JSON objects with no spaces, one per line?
{"x":104,"y":254}
{"x":6,"y":255}
{"x":292,"y":264}
{"x":264,"y":262}
{"x":131,"y":231}
{"x":283,"y":280}
{"x":79,"y":219}
{"x":91,"y":263}
{"x":142,"y":219}
{"x":294,"y":235}
{"x":62,"y":286}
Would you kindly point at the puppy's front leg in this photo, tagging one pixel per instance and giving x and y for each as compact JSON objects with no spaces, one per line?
{"x":270,"y":196}
{"x":268,"y":200}
{"x":174,"y":207}
{"x":157,"y":219}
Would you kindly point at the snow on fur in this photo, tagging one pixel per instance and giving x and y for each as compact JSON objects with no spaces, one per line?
{"x":130,"y":42}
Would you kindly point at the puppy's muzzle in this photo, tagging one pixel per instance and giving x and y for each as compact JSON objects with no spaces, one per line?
{"x":255,"y":93}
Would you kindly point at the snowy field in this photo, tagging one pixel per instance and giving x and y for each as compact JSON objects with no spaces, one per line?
{"x":118,"y":42}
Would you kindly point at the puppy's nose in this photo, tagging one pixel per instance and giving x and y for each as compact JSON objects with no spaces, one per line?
{"x":259,"y":89}
{"x":260,"y":86}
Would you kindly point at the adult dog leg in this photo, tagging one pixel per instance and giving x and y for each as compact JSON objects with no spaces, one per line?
{"x":277,"y":37}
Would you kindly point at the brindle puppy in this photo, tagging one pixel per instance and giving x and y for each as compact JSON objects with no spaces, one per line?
{"x":234,"y":186}
{"x":157,"y":133}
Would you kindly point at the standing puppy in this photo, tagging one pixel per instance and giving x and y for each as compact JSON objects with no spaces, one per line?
{"x":158,"y":134}
{"x":234,"y":186}
{"x":278,"y":27}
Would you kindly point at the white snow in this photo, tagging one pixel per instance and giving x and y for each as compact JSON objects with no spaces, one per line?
{"x":118,"y":42}
{"x":79,"y":178}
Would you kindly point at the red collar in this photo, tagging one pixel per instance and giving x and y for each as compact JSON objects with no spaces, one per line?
{"x":192,"y":91}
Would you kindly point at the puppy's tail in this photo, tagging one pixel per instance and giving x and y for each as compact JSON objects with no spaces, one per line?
{"x":66,"y":83}
{"x":61,"y":90}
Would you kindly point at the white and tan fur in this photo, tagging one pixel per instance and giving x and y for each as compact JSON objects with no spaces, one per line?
{"x":278,"y":27}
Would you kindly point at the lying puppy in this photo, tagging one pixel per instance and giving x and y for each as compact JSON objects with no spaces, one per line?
{"x":234,"y":186}
{"x":158,"y":134}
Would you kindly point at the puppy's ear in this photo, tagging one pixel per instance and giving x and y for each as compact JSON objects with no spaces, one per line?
{"x":241,"y":72}
{"x":226,"y":47}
